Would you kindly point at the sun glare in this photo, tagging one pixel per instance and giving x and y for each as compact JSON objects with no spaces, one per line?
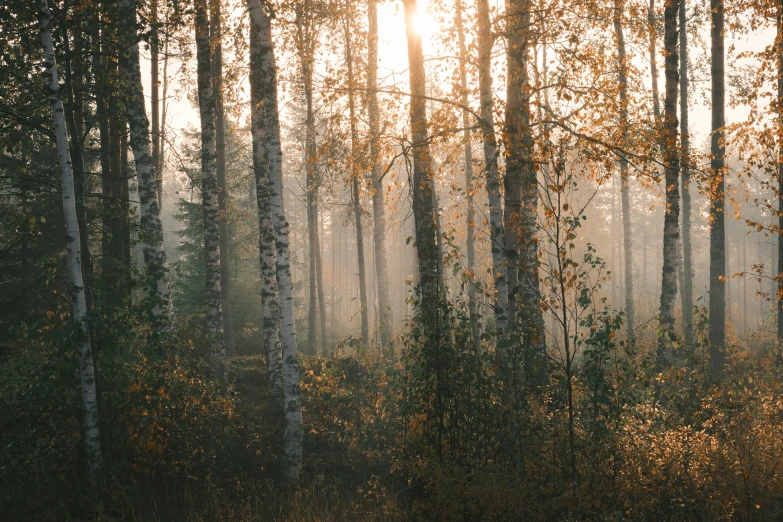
{"x":424,"y":24}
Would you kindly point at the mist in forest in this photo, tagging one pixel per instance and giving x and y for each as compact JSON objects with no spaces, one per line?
{"x":363,"y":260}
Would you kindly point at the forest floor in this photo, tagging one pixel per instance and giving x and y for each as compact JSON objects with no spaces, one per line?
{"x":219,"y":465}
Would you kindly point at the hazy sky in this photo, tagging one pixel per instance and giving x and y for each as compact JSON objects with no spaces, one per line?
{"x":393,"y":64}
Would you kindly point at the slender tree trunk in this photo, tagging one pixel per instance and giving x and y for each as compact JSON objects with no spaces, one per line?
{"x":491,"y":152}
{"x":151,"y":229}
{"x":74,"y":115}
{"x":670,"y":157}
{"x":319,"y":274}
{"x":356,"y":173}
{"x":423,"y":183}
{"x":155,"y":98}
{"x":378,"y":197}
{"x":522,"y":198}
{"x":124,"y":190}
{"x":101,"y":93}
{"x":475,"y":326}
{"x":292,"y":445}
{"x":216,"y":32}
{"x":92,"y":439}
{"x":209,"y":188}
{"x":625,"y":188}
{"x":744,"y":282}
{"x":160,"y":167}
{"x":269,"y":296}
{"x":332,"y":279}
{"x":653,"y":32}
{"x":686,"y":292}
{"x":779,"y":42}
{"x":312,"y":216}
{"x":718,"y":273}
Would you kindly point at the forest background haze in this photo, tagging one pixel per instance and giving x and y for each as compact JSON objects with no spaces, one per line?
{"x":391,"y":260}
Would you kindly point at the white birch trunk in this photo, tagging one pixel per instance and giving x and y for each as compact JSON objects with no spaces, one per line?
{"x":293,"y":410}
{"x":209,"y":189}
{"x":92,"y":439}
{"x":151,"y":229}
{"x":497,"y":232}
{"x":270,"y":301}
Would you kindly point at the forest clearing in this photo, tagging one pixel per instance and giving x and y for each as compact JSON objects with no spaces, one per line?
{"x":310,"y":260}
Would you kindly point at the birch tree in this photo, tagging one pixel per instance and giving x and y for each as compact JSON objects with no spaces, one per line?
{"x":292,"y":444}
{"x":270,"y":300}
{"x":158,"y":292}
{"x":92,"y":441}
{"x":475,"y":327}
{"x":206,"y":105}
{"x":216,"y":36}
{"x":491,"y":152}
{"x":521,"y":197}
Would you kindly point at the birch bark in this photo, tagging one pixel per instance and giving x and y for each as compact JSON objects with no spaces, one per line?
{"x":206,"y":104}
{"x":270,"y":300}
{"x":216,"y":34}
{"x":292,"y":445}
{"x":522,"y":198}
{"x":158,"y":291}
{"x":92,"y":440}
{"x":491,"y":152}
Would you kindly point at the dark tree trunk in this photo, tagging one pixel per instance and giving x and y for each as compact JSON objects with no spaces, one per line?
{"x":423,"y":189}
{"x":625,"y":188}
{"x":671,"y":162}
{"x":717,"y":327}
{"x":312,"y":209}
{"x":653,"y":59}
{"x":475,"y":326}
{"x":378,"y":198}
{"x":155,"y":98}
{"x":356,"y":173}
{"x":780,"y":173}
